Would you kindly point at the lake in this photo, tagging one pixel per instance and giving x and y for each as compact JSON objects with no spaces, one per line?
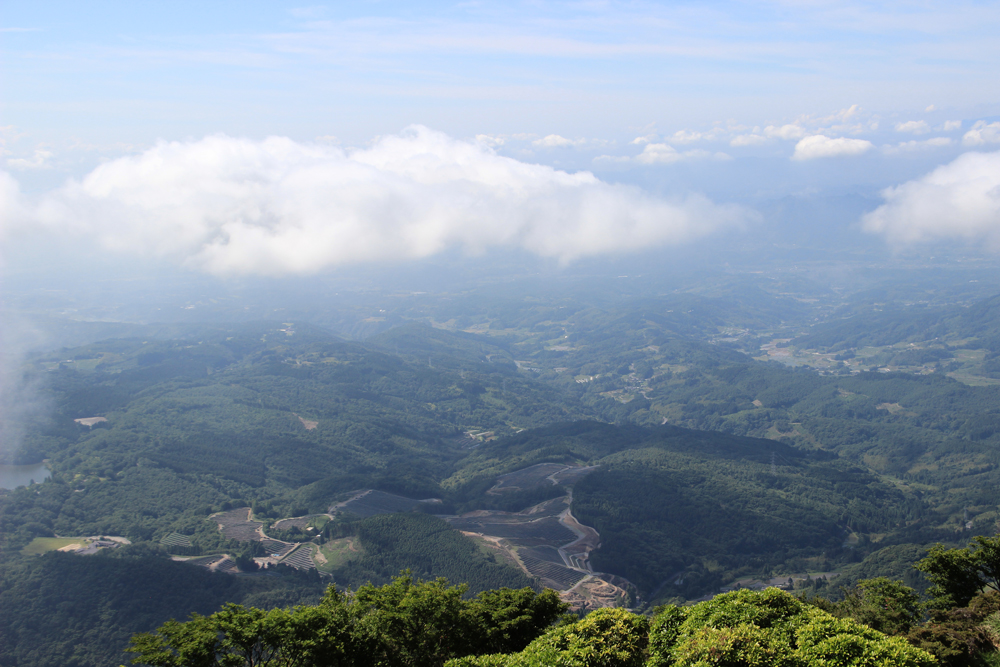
{"x":12,"y":477}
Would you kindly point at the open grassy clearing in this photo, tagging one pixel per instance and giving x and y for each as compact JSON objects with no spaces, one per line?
{"x":40,"y":545}
{"x":337,"y":553}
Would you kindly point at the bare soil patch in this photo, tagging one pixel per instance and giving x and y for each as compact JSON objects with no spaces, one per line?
{"x":309,"y":424}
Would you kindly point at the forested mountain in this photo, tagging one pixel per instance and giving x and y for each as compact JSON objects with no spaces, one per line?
{"x":703,"y":464}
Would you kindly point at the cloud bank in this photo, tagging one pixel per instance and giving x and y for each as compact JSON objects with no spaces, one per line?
{"x":959,"y":200}
{"x":236,"y":206}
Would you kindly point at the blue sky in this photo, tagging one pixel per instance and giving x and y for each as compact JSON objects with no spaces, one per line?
{"x":739,"y":101}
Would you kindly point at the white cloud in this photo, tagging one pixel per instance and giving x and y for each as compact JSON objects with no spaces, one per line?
{"x":791,"y":131}
{"x":843,"y":115}
{"x":914,"y":145}
{"x":667,"y":154}
{"x":982,"y":133}
{"x":914,"y":126}
{"x":38,"y":160}
{"x":490,"y":140}
{"x":237,"y":206}
{"x":639,"y":141}
{"x":930,"y":108}
{"x":688,"y":137}
{"x":957,"y":200}
{"x":555,"y":141}
{"x":659,"y":154}
{"x":748,"y":140}
{"x":818,"y":146}
{"x":951,"y":125}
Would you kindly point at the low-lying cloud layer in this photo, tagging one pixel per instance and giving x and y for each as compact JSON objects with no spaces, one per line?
{"x":959,"y":200}
{"x":237,"y":206}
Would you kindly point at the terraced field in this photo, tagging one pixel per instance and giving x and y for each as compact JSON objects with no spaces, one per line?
{"x":555,"y":576}
{"x":300,"y":558}
{"x":550,"y":554}
{"x":237,"y":525}
{"x":370,"y":503}
{"x":276,"y":547}
{"x":227,"y":566}
{"x":175,"y":540}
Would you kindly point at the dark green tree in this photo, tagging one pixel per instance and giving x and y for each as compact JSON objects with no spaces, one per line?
{"x":239,"y":636}
{"x":882,"y":604}
{"x":407,"y":622}
{"x":959,"y":575}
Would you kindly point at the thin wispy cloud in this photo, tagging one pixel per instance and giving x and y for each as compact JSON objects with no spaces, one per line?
{"x":918,"y":145}
{"x":653,"y":154}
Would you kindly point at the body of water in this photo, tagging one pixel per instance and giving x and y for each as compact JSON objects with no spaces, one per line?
{"x":12,"y":477}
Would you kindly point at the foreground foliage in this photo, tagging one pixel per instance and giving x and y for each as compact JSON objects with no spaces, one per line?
{"x":408,"y":623}
{"x":428,"y":624}
{"x":769,"y":628}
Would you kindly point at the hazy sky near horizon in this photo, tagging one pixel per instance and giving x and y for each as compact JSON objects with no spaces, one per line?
{"x":678,"y":118}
